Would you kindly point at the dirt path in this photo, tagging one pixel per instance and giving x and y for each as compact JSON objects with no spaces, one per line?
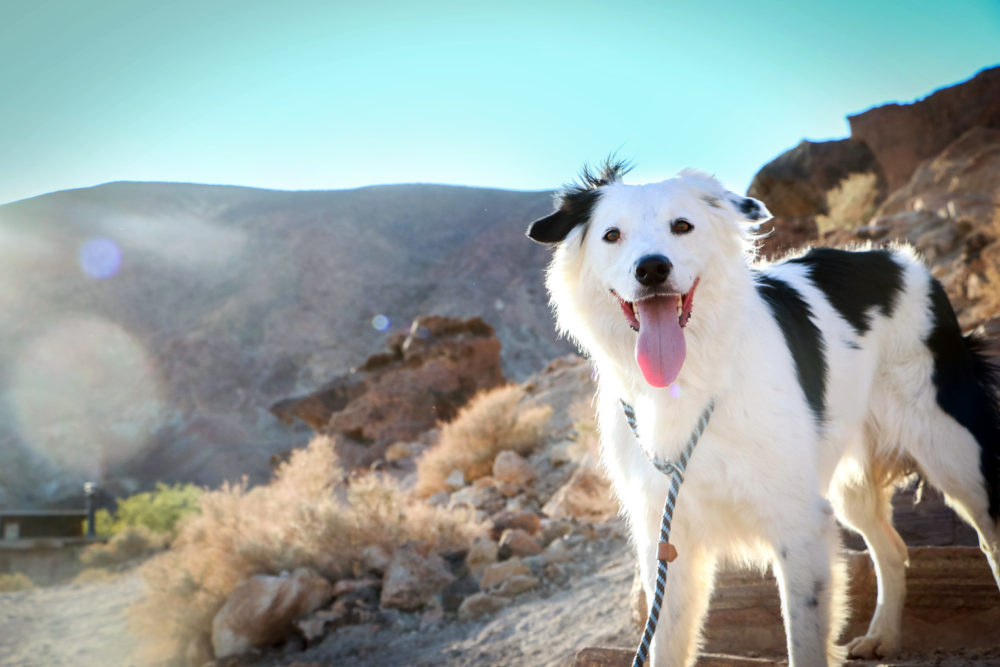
{"x":82,"y":625}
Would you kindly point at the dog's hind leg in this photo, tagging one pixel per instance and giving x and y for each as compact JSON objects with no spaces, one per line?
{"x":951,"y":464}
{"x":811,"y":580}
{"x":862,"y":502}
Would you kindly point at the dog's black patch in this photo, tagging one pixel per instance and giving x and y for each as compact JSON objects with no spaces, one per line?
{"x":576,"y":202}
{"x":855,"y":282}
{"x":967,"y":383}
{"x":802,"y":336}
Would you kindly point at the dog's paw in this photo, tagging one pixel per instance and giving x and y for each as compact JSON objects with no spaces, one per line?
{"x":873,"y":646}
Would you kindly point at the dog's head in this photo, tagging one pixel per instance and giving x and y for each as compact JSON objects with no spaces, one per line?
{"x":642,"y":250}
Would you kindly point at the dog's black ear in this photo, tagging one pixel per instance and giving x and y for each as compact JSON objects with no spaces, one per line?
{"x":750,"y":209}
{"x":552,"y":228}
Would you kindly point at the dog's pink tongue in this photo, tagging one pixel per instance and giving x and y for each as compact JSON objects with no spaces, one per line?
{"x":660,"y":348}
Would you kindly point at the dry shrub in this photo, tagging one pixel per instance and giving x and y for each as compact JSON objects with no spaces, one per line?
{"x":303,"y":518}
{"x":491,"y":422}
{"x":128,"y":544}
{"x":851,"y":204}
{"x":93,"y":575}
{"x":585,"y":436}
{"x":17,"y":581}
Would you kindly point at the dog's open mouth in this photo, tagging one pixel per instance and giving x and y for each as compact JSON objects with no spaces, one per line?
{"x":659,"y":348}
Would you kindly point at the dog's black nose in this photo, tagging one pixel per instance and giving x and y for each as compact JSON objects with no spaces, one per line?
{"x":652,"y":270}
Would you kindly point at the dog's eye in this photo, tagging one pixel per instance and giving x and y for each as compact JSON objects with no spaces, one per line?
{"x":612,"y":235}
{"x":681,"y":226}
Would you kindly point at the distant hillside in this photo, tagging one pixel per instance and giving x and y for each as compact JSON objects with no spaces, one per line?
{"x":226,"y":300}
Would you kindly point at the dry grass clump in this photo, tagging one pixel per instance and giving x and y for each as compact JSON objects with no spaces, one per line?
{"x":303,"y":518}
{"x":586,"y":437}
{"x":18,"y":581}
{"x":491,"y":422}
{"x":93,"y":575}
{"x":129,"y":543}
{"x":851,"y":204}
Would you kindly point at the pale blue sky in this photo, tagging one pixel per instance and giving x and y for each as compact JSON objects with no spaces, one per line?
{"x":303,"y":95}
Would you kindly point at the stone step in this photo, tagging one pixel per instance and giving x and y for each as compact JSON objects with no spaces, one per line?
{"x":952,"y":604}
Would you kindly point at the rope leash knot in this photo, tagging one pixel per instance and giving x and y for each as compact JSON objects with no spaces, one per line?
{"x":665,"y":552}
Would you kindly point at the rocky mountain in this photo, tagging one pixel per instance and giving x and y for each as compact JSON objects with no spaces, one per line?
{"x":147,"y":327}
{"x":819,"y":186}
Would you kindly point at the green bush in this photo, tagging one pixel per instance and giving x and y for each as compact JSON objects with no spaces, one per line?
{"x":158,"y":510}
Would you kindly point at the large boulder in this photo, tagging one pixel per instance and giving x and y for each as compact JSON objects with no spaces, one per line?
{"x":427,"y":374}
{"x":903,"y":135}
{"x":413,"y":578}
{"x":261,"y":609}
{"x":795,"y":186}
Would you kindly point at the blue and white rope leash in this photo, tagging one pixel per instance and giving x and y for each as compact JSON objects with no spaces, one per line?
{"x":676,"y":472}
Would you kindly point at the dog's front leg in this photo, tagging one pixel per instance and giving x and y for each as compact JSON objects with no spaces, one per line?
{"x":810,"y":578}
{"x":690,"y":579}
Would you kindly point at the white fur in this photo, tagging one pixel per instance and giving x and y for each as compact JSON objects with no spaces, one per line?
{"x":764,"y":482}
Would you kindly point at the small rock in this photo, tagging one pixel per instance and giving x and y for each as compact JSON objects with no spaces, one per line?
{"x":412,"y":579}
{"x":260,"y":610}
{"x":456,"y":480}
{"x":431,"y":618}
{"x":455,"y":592}
{"x":401,"y":450}
{"x":555,"y":572}
{"x":482,"y":554}
{"x":516,"y":585}
{"x":586,"y":496}
{"x":439,"y":499}
{"x":559,"y":453}
{"x":509,"y":466}
{"x":557,"y":552}
{"x":553,"y":529}
{"x":375,"y":559}
{"x":508,"y":489}
{"x":480,"y":604}
{"x":477,"y":496}
{"x":497,"y":573}
{"x":526,"y":521}
{"x":346,"y":586}
{"x":517,"y":542}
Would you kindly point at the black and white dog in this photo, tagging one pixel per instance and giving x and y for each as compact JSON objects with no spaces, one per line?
{"x":833,"y":374}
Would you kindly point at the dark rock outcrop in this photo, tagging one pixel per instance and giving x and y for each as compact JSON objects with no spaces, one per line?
{"x":795,"y":184}
{"x":426,"y":376}
{"x":903,"y":135}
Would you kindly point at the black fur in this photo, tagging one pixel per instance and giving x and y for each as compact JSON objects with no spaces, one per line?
{"x":855,"y":282}
{"x":802,"y":336}
{"x":576,"y":202}
{"x":750,"y":208}
{"x":967,"y":384}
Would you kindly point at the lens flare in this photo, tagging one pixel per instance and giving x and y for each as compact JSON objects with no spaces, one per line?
{"x":85,"y":395}
{"x":380,"y":322}
{"x":100,"y":258}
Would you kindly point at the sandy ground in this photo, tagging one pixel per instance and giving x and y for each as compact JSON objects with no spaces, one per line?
{"x":80,"y":625}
